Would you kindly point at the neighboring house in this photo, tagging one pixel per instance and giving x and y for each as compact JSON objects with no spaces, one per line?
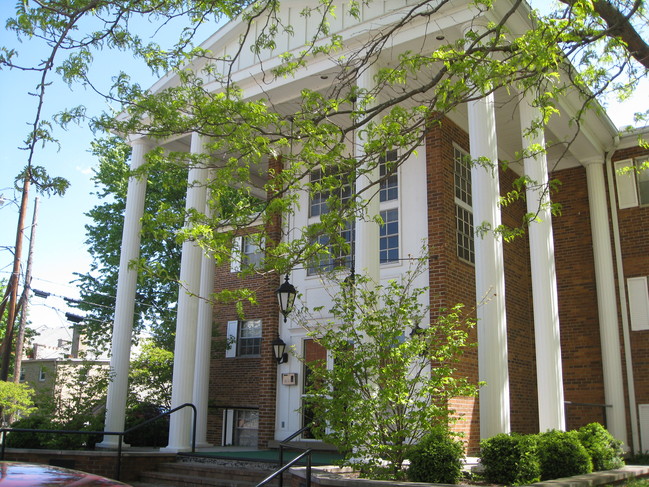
{"x":563,"y":332}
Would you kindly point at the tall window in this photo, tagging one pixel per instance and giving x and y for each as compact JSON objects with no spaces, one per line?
{"x":389,"y":197}
{"x":632,"y":177}
{"x":247,"y":251}
{"x":339,"y":253}
{"x":246,"y":427}
{"x":463,"y":205}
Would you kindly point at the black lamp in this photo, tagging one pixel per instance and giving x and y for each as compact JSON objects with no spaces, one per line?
{"x":286,"y":296}
{"x":279,"y":351}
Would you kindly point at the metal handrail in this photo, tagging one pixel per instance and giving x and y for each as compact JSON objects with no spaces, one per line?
{"x":118,"y":467}
{"x":284,"y":444}
{"x":280,"y":472}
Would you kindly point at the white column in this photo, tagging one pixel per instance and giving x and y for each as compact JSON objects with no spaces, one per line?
{"x":606,"y":301}
{"x":203,"y":346}
{"x":125,"y":300}
{"x":187,"y":317}
{"x":366,"y":256}
{"x":489,"y":272}
{"x":549,"y":374}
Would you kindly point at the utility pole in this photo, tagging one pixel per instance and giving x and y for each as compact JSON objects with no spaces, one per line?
{"x":12,"y":287}
{"x":24,"y":299}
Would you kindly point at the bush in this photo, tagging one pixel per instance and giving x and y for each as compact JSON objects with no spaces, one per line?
{"x":510,"y":459}
{"x":561,"y":454}
{"x":153,"y":434}
{"x":605,"y":451}
{"x":438,"y":458}
{"x":55,"y":441}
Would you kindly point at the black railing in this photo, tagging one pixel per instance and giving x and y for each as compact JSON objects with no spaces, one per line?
{"x":282,"y":468}
{"x":280,"y":473}
{"x":120,"y":435}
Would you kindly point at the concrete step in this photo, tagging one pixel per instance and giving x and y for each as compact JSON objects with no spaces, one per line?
{"x":195,"y":474}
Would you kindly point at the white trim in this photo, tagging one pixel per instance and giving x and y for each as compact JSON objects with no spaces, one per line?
{"x":643,"y":414}
{"x":638,"y":303}
{"x":627,"y":189}
{"x":231,"y":337}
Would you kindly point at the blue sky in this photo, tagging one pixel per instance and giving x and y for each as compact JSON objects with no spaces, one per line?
{"x":60,"y":249}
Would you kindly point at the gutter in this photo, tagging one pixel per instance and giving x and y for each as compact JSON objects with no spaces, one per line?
{"x":633,"y":408}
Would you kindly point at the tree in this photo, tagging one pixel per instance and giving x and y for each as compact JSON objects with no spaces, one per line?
{"x":150,"y":376}
{"x":603,"y":39}
{"x":393,"y":371}
{"x":160,"y":249}
{"x":15,"y":399}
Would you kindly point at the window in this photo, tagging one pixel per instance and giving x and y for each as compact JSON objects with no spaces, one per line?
{"x":247,"y":250}
{"x":244,"y":338}
{"x":463,"y":205}
{"x":387,"y":169}
{"x":389,"y":236}
{"x":632,"y":178}
{"x":240,"y":427}
{"x":339,"y":253}
{"x":341,"y":250}
{"x":22,"y":375}
{"x":318,"y":201}
{"x":41,"y":374}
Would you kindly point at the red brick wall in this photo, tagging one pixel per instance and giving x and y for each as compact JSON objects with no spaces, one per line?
{"x":452,"y":281}
{"x":578,"y":313}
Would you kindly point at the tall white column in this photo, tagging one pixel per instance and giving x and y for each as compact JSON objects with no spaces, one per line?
{"x":489,"y":272}
{"x":203,"y":347}
{"x":125,"y":300}
{"x":606,"y":301}
{"x":187,"y":317}
{"x":549,"y":376}
{"x":366,"y":256}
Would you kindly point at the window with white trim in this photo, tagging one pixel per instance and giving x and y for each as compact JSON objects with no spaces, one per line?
{"x":41,"y":374}
{"x":240,"y":427}
{"x":340,"y":252}
{"x":247,"y":251}
{"x":389,"y":198}
{"x":463,"y":205}
{"x":243,"y":338}
{"x":632,"y":181}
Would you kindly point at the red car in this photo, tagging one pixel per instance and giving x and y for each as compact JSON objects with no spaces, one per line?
{"x":18,"y":474}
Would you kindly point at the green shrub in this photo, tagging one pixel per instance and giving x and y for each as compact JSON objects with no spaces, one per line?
{"x":55,"y":441}
{"x":510,"y":459}
{"x":153,"y":434}
{"x":605,"y":451}
{"x":438,"y":458}
{"x":561,"y":454}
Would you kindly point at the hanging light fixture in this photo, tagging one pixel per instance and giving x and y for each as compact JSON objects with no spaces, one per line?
{"x":286,"y":294}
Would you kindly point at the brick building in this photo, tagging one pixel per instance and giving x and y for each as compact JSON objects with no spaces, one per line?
{"x":563,"y":315}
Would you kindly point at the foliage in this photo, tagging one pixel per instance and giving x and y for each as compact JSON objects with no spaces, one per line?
{"x":605,"y":451}
{"x":561,"y":454}
{"x":638,"y":459}
{"x":438,"y":458}
{"x":15,"y":399}
{"x":150,"y":376}
{"x":153,"y":434}
{"x":603,"y":41}
{"x":55,"y":441}
{"x":393,"y":374}
{"x":510,"y":459}
{"x":158,"y":291}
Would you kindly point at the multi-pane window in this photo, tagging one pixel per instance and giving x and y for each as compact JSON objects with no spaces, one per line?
{"x":643,"y":181}
{"x":389,"y":197}
{"x":249,"y":339}
{"x":318,"y":202}
{"x":463,"y":205}
{"x":389,"y":178}
{"x":341,"y":250}
{"x":244,"y":338}
{"x":246,"y":427}
{"x":247,"y":251}
{"x":339,"y":253}
{"x":389,"y":236}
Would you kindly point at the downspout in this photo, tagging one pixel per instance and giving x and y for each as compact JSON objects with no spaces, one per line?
{"x":635,"y":435}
